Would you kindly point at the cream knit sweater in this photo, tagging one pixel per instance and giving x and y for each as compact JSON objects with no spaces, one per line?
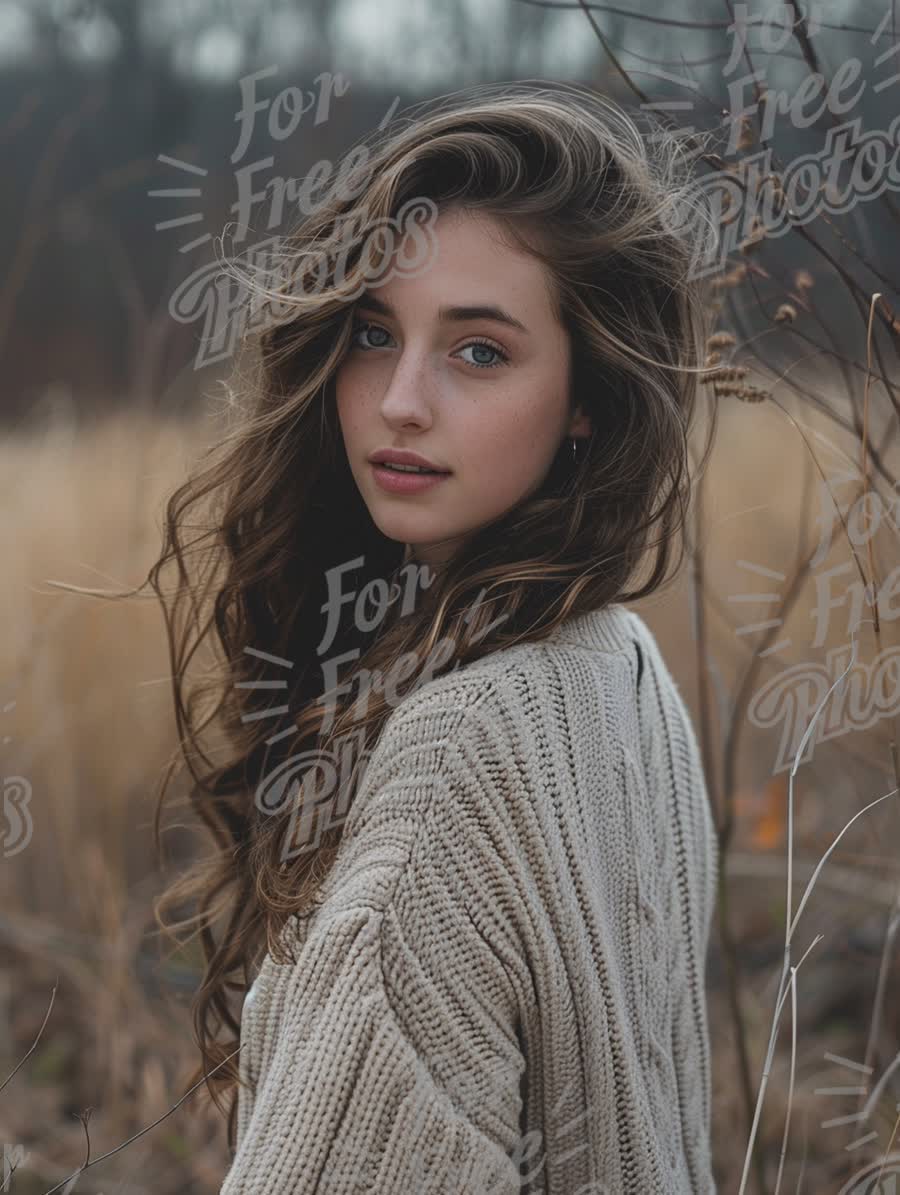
{"x":502,"y":989}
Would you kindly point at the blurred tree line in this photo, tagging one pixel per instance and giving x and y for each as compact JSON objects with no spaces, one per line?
{"x":87,"y":276}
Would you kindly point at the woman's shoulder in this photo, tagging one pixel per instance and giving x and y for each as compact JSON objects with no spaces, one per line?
{"x":506,"y":703}
{"x":500,"y":674}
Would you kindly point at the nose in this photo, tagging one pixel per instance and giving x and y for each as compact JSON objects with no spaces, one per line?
{"x":411,"y":390}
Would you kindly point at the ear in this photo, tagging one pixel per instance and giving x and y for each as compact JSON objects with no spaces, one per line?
{"x":580,"y":423}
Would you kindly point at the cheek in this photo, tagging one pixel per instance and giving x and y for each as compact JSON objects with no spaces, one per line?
{"x":508,"y":452}
{"x":349,"y":400}
{"x":521,"y":435}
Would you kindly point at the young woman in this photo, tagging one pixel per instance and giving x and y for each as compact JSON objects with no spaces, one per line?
{"x":457,"y":913}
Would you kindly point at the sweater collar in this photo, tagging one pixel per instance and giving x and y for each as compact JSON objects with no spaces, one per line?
{"x":610,"y":628}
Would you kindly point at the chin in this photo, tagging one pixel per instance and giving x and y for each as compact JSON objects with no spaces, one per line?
{"x":415,"y":540}
{"x":404,"y":531}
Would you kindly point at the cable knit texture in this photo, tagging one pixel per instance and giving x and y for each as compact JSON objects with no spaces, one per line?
{"x":501,"y":986}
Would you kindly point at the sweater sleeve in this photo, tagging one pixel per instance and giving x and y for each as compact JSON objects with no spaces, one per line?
{"x":394,"y":1060}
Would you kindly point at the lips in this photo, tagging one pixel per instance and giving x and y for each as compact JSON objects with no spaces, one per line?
{"x":402,"y":456}
{"x":402,"y":481}
{"x":415,"y":470}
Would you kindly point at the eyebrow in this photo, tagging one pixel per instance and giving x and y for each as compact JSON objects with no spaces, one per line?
{"x":452,"y":314}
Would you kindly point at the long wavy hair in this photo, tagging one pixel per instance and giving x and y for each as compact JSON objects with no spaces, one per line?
{"x":614,"y":215}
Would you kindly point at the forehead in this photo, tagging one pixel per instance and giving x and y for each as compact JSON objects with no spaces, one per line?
{"x":473,"y":260}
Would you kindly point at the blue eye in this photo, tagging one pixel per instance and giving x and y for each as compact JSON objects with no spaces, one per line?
{"x":484,"y":344}
{"x":361,"y":328}
{"x":365,"y":328}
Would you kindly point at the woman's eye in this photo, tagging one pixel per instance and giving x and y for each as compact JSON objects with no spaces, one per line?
{"x":368,"y":328}
{"x":479,"y":347}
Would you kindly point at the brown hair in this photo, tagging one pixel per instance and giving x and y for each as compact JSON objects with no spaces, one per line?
{"x":571,"y":178}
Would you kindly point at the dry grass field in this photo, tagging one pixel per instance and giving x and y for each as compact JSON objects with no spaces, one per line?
{"x":86,"y":723}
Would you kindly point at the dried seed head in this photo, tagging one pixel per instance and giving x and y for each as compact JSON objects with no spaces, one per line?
{"x":774,"y":180}
{"x":720,"y":340}
{"x":746,"y":136}
{"x":803,"y":280}
{"x":725,"y":373}
{"x":731,"y":278}
{"x":757,"y":233}
{"x":785,"y":314}
{"x":741,"y":390}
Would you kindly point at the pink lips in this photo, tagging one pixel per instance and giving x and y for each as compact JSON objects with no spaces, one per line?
{"x":395,"y":482}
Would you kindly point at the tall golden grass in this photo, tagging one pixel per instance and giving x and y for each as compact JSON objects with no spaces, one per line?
{"x":91,"y":728}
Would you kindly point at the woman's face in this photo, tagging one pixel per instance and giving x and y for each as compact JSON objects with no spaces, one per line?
{"x":492,"y":414}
